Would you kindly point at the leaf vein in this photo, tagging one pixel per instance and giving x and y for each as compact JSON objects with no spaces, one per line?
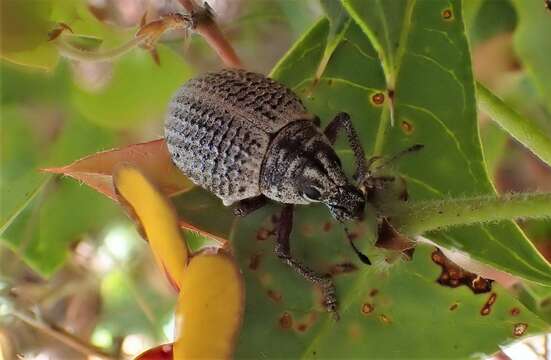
{"x":448,"y":131}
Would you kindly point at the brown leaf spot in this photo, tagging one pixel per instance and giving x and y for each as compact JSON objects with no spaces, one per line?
{"x":367,"y":308}
{"x":307,"y":230}
{"x":515,"y":311}
{"x":262,"y":234}
{"x":378,"y":98}
{"x":390,"y":94}
{"x":390,"y":239}
{"x":447,"y":14}
{"x":306,"y":322}
{"x":406,"y":127}
{"x":254,"y":261}
{"x":487,"y":308}
{"x":453,"y":276}
{"x":385,"y":319}
{"x":520,"y":329}
{"x":285,"y":321}
{"x":327,"y":226}
{"x":454,"y":306}
{"x":274,"y":295}
{"x":342,"y":268}
{"x":373,"y":292}
{"x":354,"y":331}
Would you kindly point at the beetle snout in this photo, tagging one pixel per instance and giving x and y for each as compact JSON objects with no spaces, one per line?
{"x":348,"y":204}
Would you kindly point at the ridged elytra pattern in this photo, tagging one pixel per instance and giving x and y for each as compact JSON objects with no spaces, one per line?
{"x":219,"y":127}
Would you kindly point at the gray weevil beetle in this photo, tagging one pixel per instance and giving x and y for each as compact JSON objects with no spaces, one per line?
{"x":247,"y":138}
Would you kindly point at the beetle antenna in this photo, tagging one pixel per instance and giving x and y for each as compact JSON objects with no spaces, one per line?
{"x":363,"y":257}
{"x":398,"y":155}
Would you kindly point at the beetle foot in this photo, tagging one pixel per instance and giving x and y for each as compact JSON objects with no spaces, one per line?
{"x":329,"y":295}
{"x":247,"y":206}
{"x":323,"y":281}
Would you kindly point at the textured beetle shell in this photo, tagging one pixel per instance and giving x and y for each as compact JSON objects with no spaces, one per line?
{"x":219,"y":127}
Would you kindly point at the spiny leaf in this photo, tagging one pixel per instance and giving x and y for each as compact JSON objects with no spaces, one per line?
{"x":151,"y":157}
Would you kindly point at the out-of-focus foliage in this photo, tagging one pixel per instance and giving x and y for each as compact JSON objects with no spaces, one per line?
{"x":532,"y":47}
{"x":42,"y":215}
{"x":130,"y":97}
{"x":24,"y":44}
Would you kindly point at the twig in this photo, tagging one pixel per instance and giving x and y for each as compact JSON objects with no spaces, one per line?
{"x":419,"y":217}
{"x":201,"y":22}
{"x":73,"y":53}
{"x":60,"y":334}
{"x":209,"y":30}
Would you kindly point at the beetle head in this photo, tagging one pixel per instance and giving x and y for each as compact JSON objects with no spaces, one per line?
{"x":345,"y":201}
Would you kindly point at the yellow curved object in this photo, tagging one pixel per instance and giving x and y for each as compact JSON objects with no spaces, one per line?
{"x":157,"y":218}
{"x":210,"y":308}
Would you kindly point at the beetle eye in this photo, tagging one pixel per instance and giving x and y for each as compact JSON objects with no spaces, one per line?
{"x":311,"y":193}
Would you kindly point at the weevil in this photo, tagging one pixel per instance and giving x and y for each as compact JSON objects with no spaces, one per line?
{"x":247,"y":138}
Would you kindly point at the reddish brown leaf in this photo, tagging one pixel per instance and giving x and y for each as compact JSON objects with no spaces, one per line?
{"x":152,"y":158}
{"x":222,"y":243}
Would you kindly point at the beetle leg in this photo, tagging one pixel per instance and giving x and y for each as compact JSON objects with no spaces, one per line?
{"x":247,"y":206}
{"x":283,"y":251}
{"x":317,"y":121}
{"x":342,"y":121}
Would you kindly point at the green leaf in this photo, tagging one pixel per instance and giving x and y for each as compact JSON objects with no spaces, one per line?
{"x":24,"y":33}
{"x":26,"y":26}
{"x":532,"y":44}
{"x":402,"y":304}
{"x":26,"y":86}
{"x":435,"y":105}
{"x":386,"y":311}
{"x":41,"y":215}
{"x":536,"y":298}
{"x":382,"y":22}
{"x":490,"y":19}
{"x":494,"y":140}
{"x":139,"y":90}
